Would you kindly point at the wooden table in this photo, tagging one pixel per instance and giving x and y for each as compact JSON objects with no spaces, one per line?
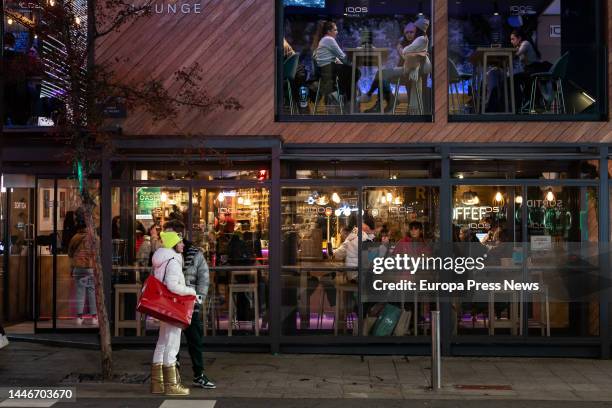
{"x":480,"y":59}
{"x":368,"y":57}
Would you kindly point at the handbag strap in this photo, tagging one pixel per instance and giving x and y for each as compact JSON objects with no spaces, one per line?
{"x":165,"y":270}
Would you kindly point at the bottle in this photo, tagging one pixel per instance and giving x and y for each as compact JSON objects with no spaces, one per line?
{"x":303,"y":97}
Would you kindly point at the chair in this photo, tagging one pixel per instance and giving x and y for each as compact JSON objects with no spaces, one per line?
{"x":327,"y":84}
{"x":556,"y":74}
{"x":455,"y":80}
{"x":122,"y":289}
{"x":246,"y":288}
{"x":290,"y":67}
{"x":416,"y":88}
{"x":341,"y":314}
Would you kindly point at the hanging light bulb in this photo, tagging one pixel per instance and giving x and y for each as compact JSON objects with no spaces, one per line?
{"x":9,"y":21}
{"x":221,"y":197}
{"x":336,"y":198}
{"x":52,"y":3}
{"x":383,"y":200}
{"x":550,"y":196}
{"x":397,"y":201}
{"x":499,"y":197}
{"x":519,"y":199}
{"x":35,"y":36}
{"x":389,"y":197}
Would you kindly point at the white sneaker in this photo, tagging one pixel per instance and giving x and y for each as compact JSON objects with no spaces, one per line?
{"x":94,"y":321}
{"x":3,"y":341}
{"x":79,"y":321}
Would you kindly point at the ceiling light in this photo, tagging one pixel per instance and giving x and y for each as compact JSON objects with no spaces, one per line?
{"x":221,"y":197}
{"x":519,"y":199}
{"x":550,"y":196}
{"x":336,"y":198}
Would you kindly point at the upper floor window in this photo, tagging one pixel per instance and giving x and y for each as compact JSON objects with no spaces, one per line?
{"x":37,"y":60}
{"x":355,"y":58}
{"x":527,"y":58}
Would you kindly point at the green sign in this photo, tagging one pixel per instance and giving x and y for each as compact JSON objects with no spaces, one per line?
{"x":149,"y":198}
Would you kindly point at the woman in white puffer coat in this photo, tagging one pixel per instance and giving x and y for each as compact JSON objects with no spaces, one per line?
{"x":168,"y":268}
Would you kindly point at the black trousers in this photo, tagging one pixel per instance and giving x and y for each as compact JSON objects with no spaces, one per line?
{"x":195,"y":342}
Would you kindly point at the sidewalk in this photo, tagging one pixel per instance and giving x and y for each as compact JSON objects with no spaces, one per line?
{"x":320,"y":376}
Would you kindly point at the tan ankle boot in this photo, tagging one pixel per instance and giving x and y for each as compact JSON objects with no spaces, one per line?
{"x":171,"y":385}
{"x":157,"y":378}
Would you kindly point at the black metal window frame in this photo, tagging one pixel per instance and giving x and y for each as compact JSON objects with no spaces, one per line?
{"x":602,"y":89}
{"x":453,"y":345}
{"x":279,"y":116}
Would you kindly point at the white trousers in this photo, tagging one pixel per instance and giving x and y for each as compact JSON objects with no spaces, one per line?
{"x":168,"y":344}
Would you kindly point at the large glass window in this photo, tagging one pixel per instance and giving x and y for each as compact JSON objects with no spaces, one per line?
{"x":322,"y":283}
{"x":512,"y":57}
{"x":230,"y":227}
{"x":398,"y":222}
{"x":317,"y":276}
{"x":563,"y":237}
{"x":487,"y":223}
{"x":35,"y":73}
{"x":356,"y":57}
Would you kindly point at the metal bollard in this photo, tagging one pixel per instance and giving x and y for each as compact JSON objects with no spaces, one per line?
{"x":436,"y":360}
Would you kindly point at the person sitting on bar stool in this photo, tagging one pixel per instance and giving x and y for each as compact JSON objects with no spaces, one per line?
{"x":329,"y":55}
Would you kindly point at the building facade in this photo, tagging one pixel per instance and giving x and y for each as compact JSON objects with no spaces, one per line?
{"x":467,"y":147}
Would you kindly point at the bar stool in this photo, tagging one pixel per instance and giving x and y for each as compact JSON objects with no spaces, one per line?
{"x":122,"y":289}
{"x":514,"y":320}
{"x":235,"y":288}
{"x":341,"y":291}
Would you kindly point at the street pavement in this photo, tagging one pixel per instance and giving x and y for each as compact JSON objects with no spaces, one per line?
{"x":265,"y":380}
{"x":306,"y":403}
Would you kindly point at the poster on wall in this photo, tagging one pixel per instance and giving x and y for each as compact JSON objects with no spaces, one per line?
{"x":148,"y":199}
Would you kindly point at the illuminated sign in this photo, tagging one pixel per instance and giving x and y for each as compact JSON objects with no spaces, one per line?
{"x":473,"y":213}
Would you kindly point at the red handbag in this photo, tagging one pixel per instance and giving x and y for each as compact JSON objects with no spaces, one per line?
{"x":157,"y":301}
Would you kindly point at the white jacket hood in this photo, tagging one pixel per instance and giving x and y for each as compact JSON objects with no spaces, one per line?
{"x":163,"y":255}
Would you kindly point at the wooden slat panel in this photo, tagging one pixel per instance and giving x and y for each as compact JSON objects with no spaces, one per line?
{"x":234,"y":43}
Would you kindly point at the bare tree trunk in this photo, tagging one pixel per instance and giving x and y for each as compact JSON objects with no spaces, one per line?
{"x":106,"y":349}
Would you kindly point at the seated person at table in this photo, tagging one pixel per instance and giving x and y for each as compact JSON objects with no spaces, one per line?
{"x":349,"y":249}
{"x":329,"y":55}
{"x":529,"y":57}
{"x":300,"y":73}
{"x":415,"y":64}
{"x":406,"y":40}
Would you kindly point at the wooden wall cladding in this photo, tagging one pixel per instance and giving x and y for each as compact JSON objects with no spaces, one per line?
{"x":233,"y":40}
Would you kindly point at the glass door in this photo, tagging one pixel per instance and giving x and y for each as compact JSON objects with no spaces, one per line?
{"x":65,"y":292}
{"x":16,"y":275}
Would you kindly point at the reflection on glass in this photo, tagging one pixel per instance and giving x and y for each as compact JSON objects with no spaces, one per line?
{"x":319,"y":260}
{"x":406,"y":222}
{"x":351,"y":58}
{"x":563,"y":237}
{"x":511,"y":58}
{"x":61,"y":223}
{"x":229,"y":227}
{"x":487,"y":223}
